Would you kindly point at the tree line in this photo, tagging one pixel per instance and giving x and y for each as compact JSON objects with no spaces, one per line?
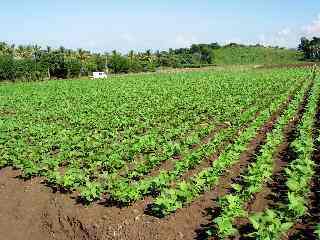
{"x":310,"y":48}
{"x":32,"y":62}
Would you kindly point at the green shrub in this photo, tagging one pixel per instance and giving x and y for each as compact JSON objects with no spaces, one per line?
{"x":7,"y":68}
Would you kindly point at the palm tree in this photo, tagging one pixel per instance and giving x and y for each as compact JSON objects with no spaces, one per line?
{"x":35,"y":50}
{"x":49,"y":49}
{"x":20,"y":51}
{"x":69,"y":53}
{"x":82,"y":54}
{"x":131,"y":55}
{"x":62,"y":49}
{"x":11,"y":50}
{"x":3,"y":47}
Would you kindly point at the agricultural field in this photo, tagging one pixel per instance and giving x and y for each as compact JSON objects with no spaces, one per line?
{"x":209,"y":154}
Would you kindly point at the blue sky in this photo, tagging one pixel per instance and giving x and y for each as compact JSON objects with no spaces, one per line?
{"x":102,"y":25}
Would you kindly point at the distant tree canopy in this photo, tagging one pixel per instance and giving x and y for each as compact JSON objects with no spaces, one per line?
{"x":310,"y":48}
{"x":31,"y":62}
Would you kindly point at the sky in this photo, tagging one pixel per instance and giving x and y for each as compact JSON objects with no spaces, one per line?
{"x":102,"y":25}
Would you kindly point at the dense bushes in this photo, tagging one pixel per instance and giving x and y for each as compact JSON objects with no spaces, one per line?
{"x":118,"y":63}
{"x":23,"y":69}
{"x":29,"y":70}
{"x":44,"y":65}
{"x":73,"y":67}
{"x":310,"y":48}
{"x":33,"y":63}
{"x":7,"y":68}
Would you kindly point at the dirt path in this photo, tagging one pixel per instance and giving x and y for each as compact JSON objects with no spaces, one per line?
{"x":304,"y":229}
{"x":31,"y":211}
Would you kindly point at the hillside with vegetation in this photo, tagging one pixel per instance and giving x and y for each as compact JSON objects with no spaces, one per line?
{"x":240,"y":54}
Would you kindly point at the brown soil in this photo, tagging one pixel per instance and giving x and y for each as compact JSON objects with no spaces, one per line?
{"x":274,"y":192}
{"x":264,"y":198}
{"x":209,"y":199}
{"x":296,"y":65}
{"x":31,"y":211}
{"x":304,"y":229}
{"x":170,"y":163}
{"x":208,"y":162}
{"x":205,"y":163}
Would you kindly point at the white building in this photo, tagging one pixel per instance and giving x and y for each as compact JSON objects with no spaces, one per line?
{"x":96,"y":75}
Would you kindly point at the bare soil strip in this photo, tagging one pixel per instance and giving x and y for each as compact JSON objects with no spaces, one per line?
{"x":274,"y":192}
{"x":305,"y":228}
{"x":208,"y":201}
{"x":170,"y":163}
{"x":205,"y":163}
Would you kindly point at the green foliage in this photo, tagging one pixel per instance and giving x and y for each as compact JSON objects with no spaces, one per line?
{"x":136,"y":66}
{"x":104,"y":137}
{"x":296,"y":204}
{"x":232,"y":206}
{"x":35,"y":63}
{"x":269,"y":226}
{"x":172,"y":199}
{"x":257,"y":174}
{"x":91,"y":191}
{"x":88,"y":67}
{"x":7,"y":68}
{"x":317,"y":231}
{"x":73,"y":67}
{"x":255,"y":55}
{"x":299,"y":174}
{"x":118,"y":63}
{"x":30,"y":70}
{"x":310,"y":48}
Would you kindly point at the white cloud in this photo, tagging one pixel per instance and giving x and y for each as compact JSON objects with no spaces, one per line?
{"x":290,"y":37}
{"x":285,"y":37}
{"x":185,"y":41}
{"x":284,"y":32}
{"x":262,"y":39}
{"x":313,"y":28}
{"x":233,"y":40}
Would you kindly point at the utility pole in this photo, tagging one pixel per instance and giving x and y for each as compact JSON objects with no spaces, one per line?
{"x":200,"y":54}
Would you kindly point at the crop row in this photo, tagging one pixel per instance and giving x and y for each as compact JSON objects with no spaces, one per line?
{"x":274,"y":223}
{"x":124,"y":191}
{"x":185,"y":192}
{"x":101,"y":136}
{"x":257,"y":174}
{"x":152,"y":160}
